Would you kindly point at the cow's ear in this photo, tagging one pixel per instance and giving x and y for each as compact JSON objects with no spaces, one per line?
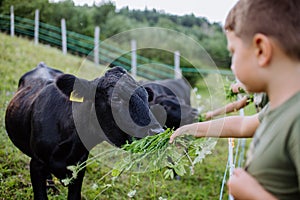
{"x":65,"y":83}
{"x":150,"y":94}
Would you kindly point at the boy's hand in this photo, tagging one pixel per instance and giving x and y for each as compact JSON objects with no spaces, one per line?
{"x":209,"y":115}
{"x":235,"y":88}
{"x":184,"y":130}
{"x":242,"y":185}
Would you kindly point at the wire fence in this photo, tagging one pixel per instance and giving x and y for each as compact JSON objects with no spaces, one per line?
{"x":83,"y":45}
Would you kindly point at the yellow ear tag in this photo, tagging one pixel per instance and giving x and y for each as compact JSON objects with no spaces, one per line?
{"x":75,"y":98}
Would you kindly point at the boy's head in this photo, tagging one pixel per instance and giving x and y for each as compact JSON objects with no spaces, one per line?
{"x":279,"y":20}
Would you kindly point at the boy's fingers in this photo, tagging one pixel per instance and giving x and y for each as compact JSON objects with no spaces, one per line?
{"x":172,"y":138}
{"x":238,"y":171}
{"x":180,"y":131}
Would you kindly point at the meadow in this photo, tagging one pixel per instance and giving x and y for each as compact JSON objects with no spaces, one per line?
{"x":20,"y":55}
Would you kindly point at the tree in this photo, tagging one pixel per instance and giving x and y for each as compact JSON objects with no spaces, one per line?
{"x":22,"y":8}
{"x":83,"y":19}
{"x":101,"y":12}
{"x":116,"y":24}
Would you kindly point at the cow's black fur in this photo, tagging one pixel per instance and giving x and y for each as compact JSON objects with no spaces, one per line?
{"x":55,"y":132}
{"x":171,"y":102}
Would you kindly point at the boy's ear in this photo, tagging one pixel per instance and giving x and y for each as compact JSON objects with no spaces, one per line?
{"x":263,"y":49}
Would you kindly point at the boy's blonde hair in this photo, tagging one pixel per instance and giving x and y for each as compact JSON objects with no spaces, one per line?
{"x":277,"y":19}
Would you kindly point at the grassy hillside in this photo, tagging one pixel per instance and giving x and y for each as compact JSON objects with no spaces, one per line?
{"x":20,"y":55}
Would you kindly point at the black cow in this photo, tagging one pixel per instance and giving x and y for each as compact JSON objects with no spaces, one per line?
{"x":171,"y":102}
{"x":19,"y":110}
{"x":56,"y":123}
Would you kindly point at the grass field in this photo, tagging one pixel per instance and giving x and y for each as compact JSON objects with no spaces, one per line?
{"x":20,"y":55}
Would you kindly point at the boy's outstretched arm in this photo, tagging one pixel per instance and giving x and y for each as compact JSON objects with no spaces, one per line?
{"x":231,"y":107}
{"x":232,"y":126}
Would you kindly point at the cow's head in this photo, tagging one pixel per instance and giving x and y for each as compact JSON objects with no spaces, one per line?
{"x":120,"y":100}
{"x":40,"y":74}
{"x":172,"y":112}
{"x":120,"y":104}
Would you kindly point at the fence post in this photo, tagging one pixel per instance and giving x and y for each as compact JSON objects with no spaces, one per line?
{"x":64,"y":36}
{"x":12,"y":21}
{"x":230,"y":161}
{"x":96,"y":45}
{"x":177,"y":69}
{"x":133,"y":58}
{"x":36,"y":27}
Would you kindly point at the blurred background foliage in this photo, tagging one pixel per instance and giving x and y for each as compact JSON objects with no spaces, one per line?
{"x":83,"y":19}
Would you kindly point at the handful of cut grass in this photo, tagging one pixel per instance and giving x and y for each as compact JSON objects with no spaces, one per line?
{"x":150,"y":143}
{"x":232,"y":96}
{"x":154,"y":153}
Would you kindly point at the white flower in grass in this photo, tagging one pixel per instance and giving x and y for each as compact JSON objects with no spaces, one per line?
{"x":66,"y":181}
{"x":95,"y":186}
{"x":131,"y":193}
{"x":198,"y":96}
{"x":161,"y":198}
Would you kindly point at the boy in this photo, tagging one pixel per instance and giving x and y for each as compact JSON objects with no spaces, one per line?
{"x":264,"y":39}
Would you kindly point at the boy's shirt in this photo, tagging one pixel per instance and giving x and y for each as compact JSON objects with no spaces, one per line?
{"x":275,"y":160}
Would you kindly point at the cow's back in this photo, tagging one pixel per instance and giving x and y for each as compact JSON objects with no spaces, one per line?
{"x":172,"y":87}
